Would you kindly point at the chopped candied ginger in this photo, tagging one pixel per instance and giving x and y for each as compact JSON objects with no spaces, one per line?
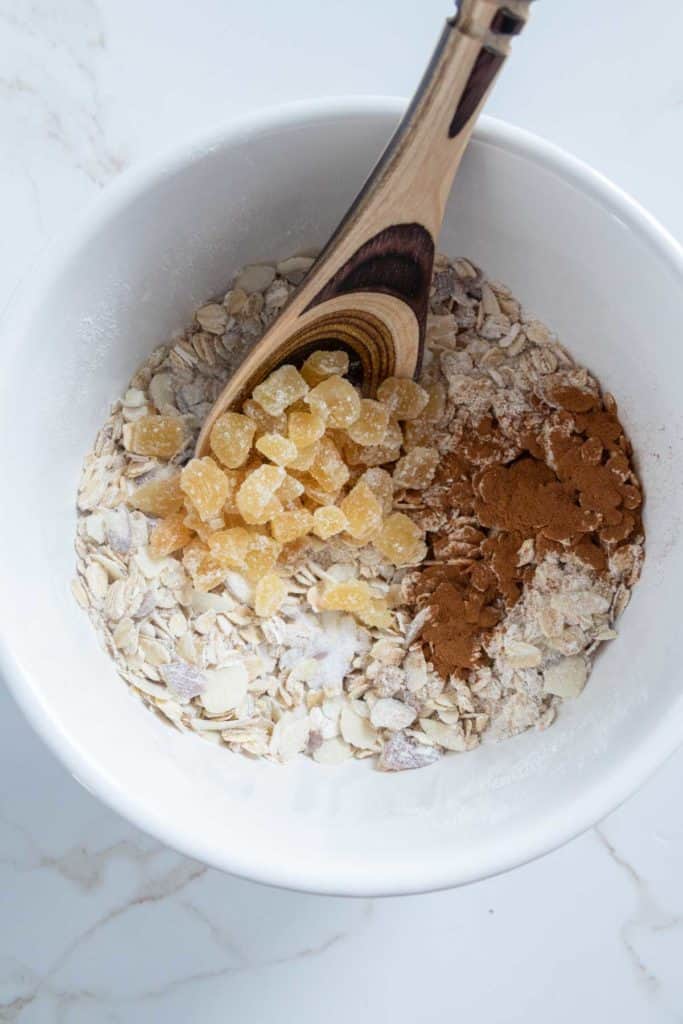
{"x":265,"y":423}
{"x":322,"y":364}
{"x":277,"y":448}
{"x":229,"y":547}
{"x":436,"y":403}
{"x":328,"y":520}
{"x":272,"y":508}
{"x":400,"y":541}
{"x":350,"y":596}
{"x":376,"y":454}
{"x":328,"y":468}
{"x":158,"y":436}
{"x":377,"y":616}
{"x":312,"y":426}
{"x":282,"y":388}
{"x":256,"y":500}
{"x":235,"y":478}
{"x":317,"y":494}
{"x":289,"y":526}
{"x":305,"y":428}
{"x":209,"y":574}
{"x":203,"y":569}
{"x":299,"y":406}
{"x":372,"y":423}
{"x":381,"y":485}
{"x":231,"y":439}
{"x":169,"y":535}
{"x":198,"y":526}
{"x":420,"y":431}
{"x":158,"y":497}
{"x":363,"y":511}
{"x":192,"y":556}
{"x":261,"y":557}
{"x":230,"y":520}
{"x":289,"y":490}
{"x":206,"y":485}
{"x":305,"y":458}
{"x":269,"y":593}
{"x":416,"y":469}
{"x":336,"y":400}
{"x":417,"y":433}
{"x":405,"y":399}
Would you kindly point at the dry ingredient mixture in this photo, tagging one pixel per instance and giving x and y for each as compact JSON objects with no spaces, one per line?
{"x":347,"y":577}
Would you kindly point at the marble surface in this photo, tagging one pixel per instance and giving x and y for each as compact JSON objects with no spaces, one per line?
{"x":99,"y":923}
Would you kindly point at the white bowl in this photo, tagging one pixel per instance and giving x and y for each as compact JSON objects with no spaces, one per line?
{"x":579,"y":253}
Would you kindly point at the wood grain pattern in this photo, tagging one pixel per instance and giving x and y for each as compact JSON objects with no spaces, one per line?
{"x":397,"y":261}
{"x":365,"y":328}
{"x":368,"y":290}
{"x":485,"y":69}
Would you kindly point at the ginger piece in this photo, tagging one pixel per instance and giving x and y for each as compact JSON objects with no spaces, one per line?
{"x":281,"y":389}
{"x":256,"y":498}
{"x":350,"y":596}
{"x":261,"y":557}
{"x":377,"y":616}
{"x":363,"y":511}
{"x":277,"y":448}
{"x":269,"y":593}
{"x":371,"y":425}
{"x":305,"y":428}
{"x":201,"y":566}
{"x":336,"y":401}
{"x":158,"y":497}
{"x":231,"y":439}
{"x":376,"y":454}
{"x":304,"y":459}
{"x":197,"y":525}
{"x":328,"y":520}
{"x":405,"y":399}
{"x":321,"y":365}
{"x":206,"y":485}
{"x":289,"y":490}
{"x":169,"y":535}
{"x":328,"y":468}
{"x":400,"y":541}
{"x":416,"y":469}
{"x":291,"y":525}
{"x":159,"y":436}
{"x":381,"y":485}
{"x":264,"y":422}
{"x":316,"y":494}
{"x":229,"y":547}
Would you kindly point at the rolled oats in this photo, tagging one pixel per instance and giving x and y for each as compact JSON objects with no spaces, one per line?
{"x":332,"y":684}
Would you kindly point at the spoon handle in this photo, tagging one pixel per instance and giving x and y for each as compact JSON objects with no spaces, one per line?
{"x":386,"y":239}
{"x":368,"y":291}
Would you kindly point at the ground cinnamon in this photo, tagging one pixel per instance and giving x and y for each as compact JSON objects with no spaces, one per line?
{"x":561,"y":483}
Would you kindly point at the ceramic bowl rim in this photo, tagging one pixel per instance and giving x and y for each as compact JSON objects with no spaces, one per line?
{"x":598,"y":798}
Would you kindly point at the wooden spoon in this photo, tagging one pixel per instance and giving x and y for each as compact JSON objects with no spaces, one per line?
{"x":368,"y":291}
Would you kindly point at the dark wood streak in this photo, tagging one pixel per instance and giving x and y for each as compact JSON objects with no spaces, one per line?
{"x":397,"y":261}
{"x":506,"y":23}
{"x":485,"y":69}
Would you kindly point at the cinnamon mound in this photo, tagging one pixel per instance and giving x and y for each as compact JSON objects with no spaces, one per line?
{"x":513,"y":496}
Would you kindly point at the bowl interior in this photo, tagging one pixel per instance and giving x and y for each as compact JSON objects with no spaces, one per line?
{"x":163,"y":243}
